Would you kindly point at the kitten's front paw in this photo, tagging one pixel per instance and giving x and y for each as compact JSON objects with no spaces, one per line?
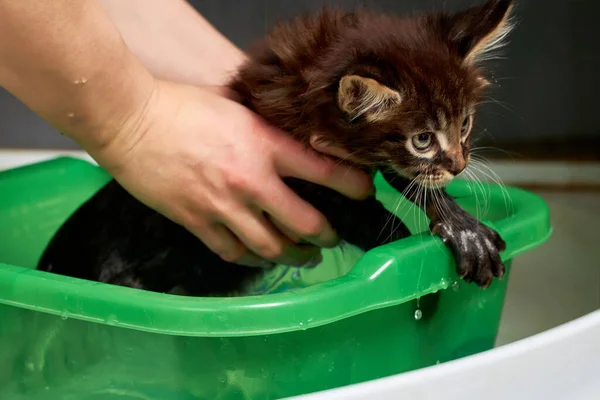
{"x":476,"y":248}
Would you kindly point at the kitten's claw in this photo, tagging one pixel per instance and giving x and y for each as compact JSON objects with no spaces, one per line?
{"x":476,"y":248}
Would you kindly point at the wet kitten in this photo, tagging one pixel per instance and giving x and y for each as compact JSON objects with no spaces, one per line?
{"x":395,"y":94}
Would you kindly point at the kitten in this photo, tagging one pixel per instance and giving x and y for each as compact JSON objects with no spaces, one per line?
{"x":396,"y":94}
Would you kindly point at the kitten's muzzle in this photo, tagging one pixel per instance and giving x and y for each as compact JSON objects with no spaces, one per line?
{"x":456,"y":170}
{"x":456,"y":166}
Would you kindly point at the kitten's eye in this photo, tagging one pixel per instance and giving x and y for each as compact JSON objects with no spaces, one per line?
{"x":422,"y":141}
{"x":465,"y":126}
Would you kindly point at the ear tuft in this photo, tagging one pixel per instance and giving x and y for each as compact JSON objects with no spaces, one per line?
{"x":481,"y":30}
{"x":359,"y":96}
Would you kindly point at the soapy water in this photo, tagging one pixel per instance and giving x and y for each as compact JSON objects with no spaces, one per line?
{"x":283,"y":278}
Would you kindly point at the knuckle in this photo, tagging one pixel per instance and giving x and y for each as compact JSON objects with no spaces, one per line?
{"x":271,"y":251}
{"x":242,"y":183}
{"x":195,"y":225}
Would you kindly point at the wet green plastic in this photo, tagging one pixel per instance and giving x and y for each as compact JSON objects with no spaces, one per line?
{"x":351,"y":319}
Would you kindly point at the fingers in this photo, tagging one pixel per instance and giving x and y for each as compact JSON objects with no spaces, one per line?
{"x":285,"y":230}
{"x":297,"y":161}
{"x":297,"y":216}
{"x":326,"y":148}
{"x":222,"y":242}
{"x":261,"y":237}
{"x":224,"y":91}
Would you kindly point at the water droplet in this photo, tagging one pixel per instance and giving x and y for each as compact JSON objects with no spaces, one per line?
{"x":418,"y":314}
{"x":111,"y":320}
{"x":47,"y":388}
{"x":456,"y":286}
{"x":64,"y":315}
{"x":437,"y":362}
{"x":418,"y":302}
{"x":296,"y":274}
{"x":301,"y":323}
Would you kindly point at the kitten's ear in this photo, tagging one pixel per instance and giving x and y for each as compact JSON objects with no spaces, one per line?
{"x":480,"y":30}
{"x":358,"y":96}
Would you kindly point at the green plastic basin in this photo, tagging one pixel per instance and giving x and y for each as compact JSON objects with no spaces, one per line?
{"x":353,"y":318}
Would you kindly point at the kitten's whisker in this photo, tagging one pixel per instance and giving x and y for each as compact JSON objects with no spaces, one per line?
{"x":420,"y":201}
{"x":439,"y":206}
{"x":478,"y":165}
{"x":496,"y":179}
{"x":443,"y":207}
{"x":475,"y":151}
{"x":479,"y":209}
{"x":471,"y":184}
{"x":481,"y":183}
{"x":393,"y":211}
{"x":404,"y":196}
{"x":485,"y":192}
{"x":425,"y":191}
{"x":410,"y":208}
{"x":505,"y":106}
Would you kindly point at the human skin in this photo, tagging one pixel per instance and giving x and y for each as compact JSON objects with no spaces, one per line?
{"x":166,"y":134}
{"x":174,"y":41}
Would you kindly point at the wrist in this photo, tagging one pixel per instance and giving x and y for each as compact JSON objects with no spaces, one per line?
{"x":112,"y":134}
{"x":109,"y":105}
{"x":69,"y":64}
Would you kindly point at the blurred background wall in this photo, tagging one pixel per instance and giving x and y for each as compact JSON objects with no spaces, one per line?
{"x":546,"y":100}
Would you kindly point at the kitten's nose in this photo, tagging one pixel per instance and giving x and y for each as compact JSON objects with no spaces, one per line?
{"x":458,"y":165}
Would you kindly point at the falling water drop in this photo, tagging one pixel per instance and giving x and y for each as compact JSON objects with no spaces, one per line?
{"x":456,"y":286}
{"x":418,"y":314}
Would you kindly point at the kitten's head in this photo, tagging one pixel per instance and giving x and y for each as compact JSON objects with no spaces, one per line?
{"x":409,"y":95}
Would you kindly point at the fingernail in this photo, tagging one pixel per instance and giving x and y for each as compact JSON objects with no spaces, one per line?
{"x":318,"y":143}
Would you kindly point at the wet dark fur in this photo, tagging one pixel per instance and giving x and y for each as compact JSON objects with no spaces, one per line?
{"x":292,"y":80}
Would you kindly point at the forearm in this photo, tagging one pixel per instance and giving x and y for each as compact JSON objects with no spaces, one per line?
{"x":66,"y":61}
{"x":174,"y":41}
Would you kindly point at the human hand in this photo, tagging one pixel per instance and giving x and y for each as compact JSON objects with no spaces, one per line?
{"x":211,"y":165}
